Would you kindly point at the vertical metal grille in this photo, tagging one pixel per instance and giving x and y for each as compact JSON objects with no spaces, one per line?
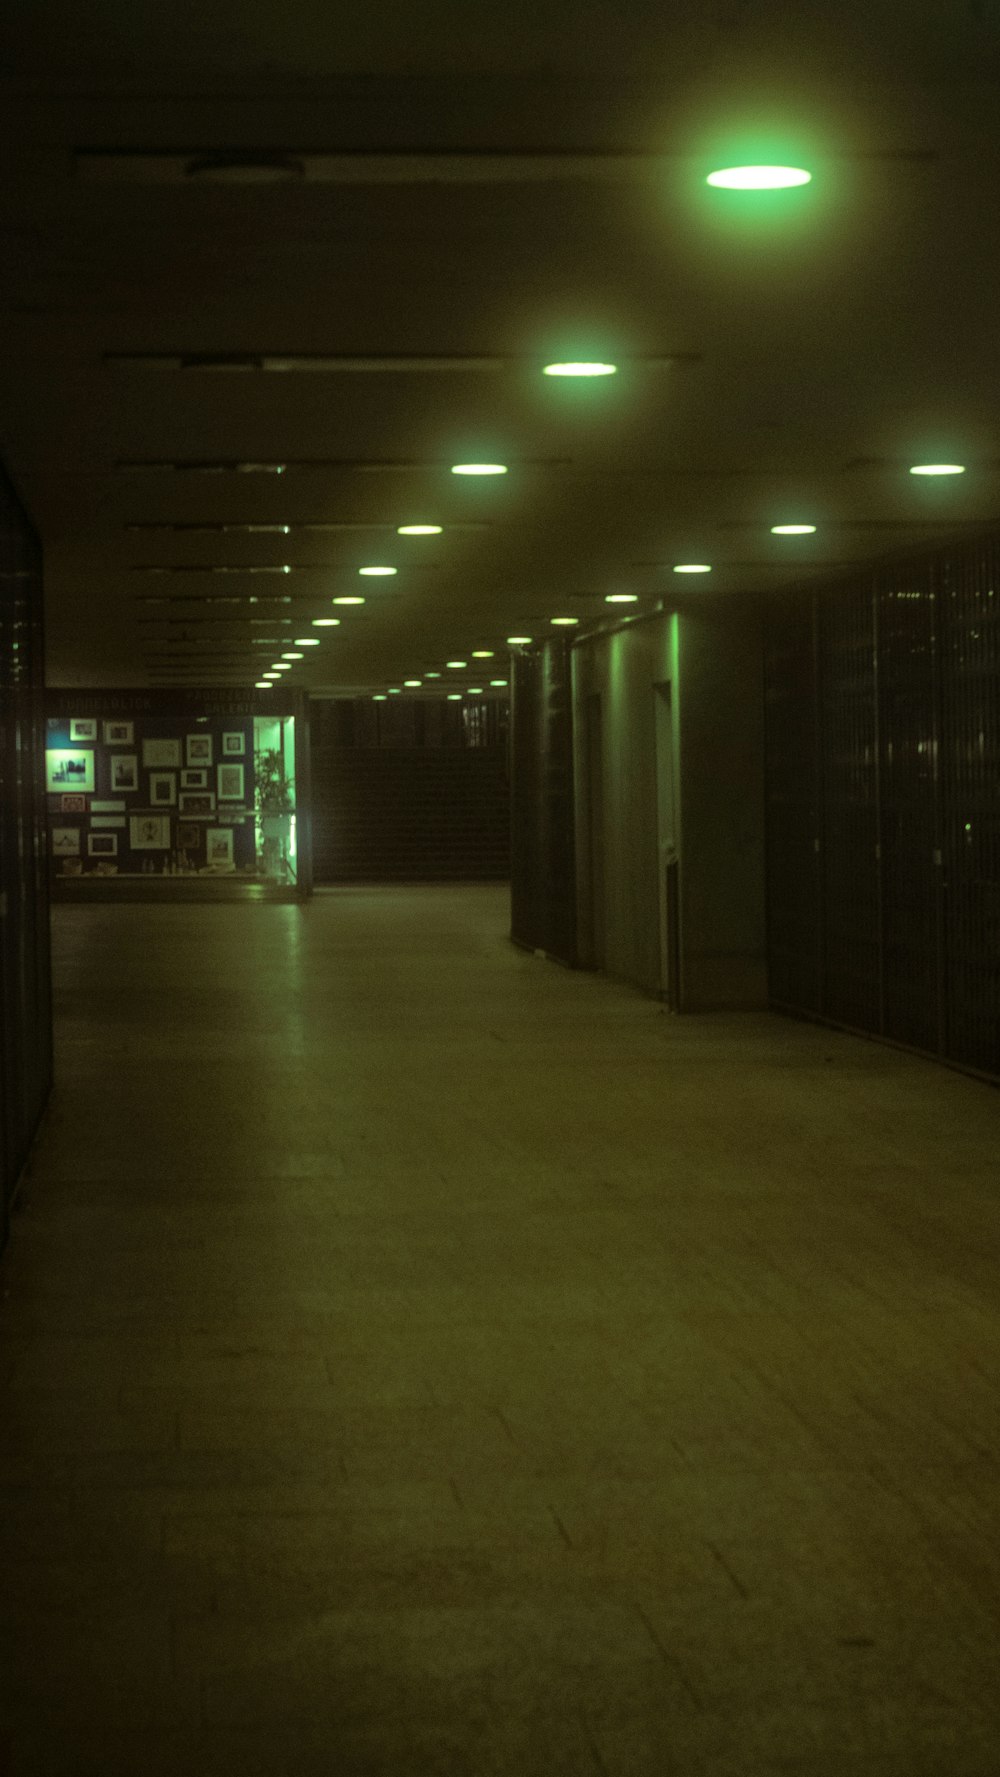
{"x":848,"y":777}
{"x":792,"y":810}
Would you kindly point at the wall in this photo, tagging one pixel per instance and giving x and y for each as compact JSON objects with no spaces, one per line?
{"x":415,"y":792}
{"x":543,"y":872}
{"x":671,"y":795}
{"x":883,"y":799}
{"x":25,"y":983}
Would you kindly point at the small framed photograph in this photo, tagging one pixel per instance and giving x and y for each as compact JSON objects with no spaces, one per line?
{"x":230,"y":782}
{"x":234,"y":744}
{"x":83,"y":728}
{"x":196,"y":802}
{"x":149,"y":832}
{"x":194,"y":780}
{"x":162,"y":789}
{"x":107,"y":820}
{"x":65,"y":842}
{"x":119,"y":734}
{"x":124,"y":771}
{"x":115,"y":807}
{"x":198,"y":750}
{"x":73,"y":804}
{"x":102,"y":845}
{"x":66,"y":769}
{"x":188,"y":835}
{"x":161,"y":752}
{"x":219,"y":848}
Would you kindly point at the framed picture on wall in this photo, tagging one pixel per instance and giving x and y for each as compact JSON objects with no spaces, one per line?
{"x":149,"y":832}
{"x":230,"y":782}
{"x":67,"y":769}
{"x":162,"y":788}
{"x":198,"y":749}
{"x":73,"y":804}
{"x":195,"y":780}
{"x":219,"y":847}
{"x":83,"y":728}
{"x":107,"y":820}
{"x":102,"y":845}
{"x":161,"y":752}
{"x":65,"y":842}
{"x":196,"y":802}
{"x":119,"y":734}
{"x":188,"y":835}
{"x":124,"y":771}
{"x":233,"y":744}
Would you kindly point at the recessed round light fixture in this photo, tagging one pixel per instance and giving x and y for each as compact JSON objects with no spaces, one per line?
{"x":348,"y":599}
{"x":792,"y":530}
{"x":326,"y":622}
{"x":692,"y":567}
{"x":378,"y":697}
{"x":419,"y":530}
{"x":479,"y":469}
{"x":621,"y":598}
{"x":498,"y":681}
{"x":456,"y":663}
{"x":286,"y":569}
{"x":758,"y":178}
{"x":307,"y":641}
{"x":264,"y":685}
{"x":473,"y":691}
{"x":412,"y":681}
{"x":580,"y":369}
{"x":292,"y":654}
{"x":395,"y":691}
{"x":432,"y":675}
{"x":566,"y":622}
{"x":454,"y":697}
{"x":482,"y":653}
{"x":282,"y":666}
{"x":938,"y":469}
{"x":519,"y":641}
{"x":377,"y":573}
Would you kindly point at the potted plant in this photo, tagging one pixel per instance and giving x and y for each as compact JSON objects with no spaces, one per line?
{"x":273,"y":803}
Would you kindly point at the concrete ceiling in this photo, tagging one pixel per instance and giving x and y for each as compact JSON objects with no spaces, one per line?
{"x":475,"y":192}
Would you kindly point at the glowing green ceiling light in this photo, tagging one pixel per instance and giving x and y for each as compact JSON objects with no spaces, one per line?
{"x":519,"y":641}
{"x":419,"y":530}
{"x":621,"y":598}
{"x":395,"y":691}
{"x":307,"y":641}
{"x":456,"y":663}
{"x":938,"y":469}
{"x":326,"y":622}
{"x":580,"y":370}
{"x":282,"y":666}
{"x":376,"y":572}
{"x":378,"y":697}
{"x":454,"y":697}
{"x":479,"y":469}
{"x":482,"y":653}
{"x":692,"y":567}
{"x":411,"y":681}
{"x":264,"y":685}
{"x":792,"y":530}
{"x":498,"y":681}
{"x":473,"y":690}
{"x":348,"y":599}
{"x":567,"y":621}
{"x":292,"y":655}
{"x":432,"y":675}
{"x":758,"y":178}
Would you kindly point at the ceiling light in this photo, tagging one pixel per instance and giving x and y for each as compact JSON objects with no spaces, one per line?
{"x":378,"y":697}
{"x":454,"y":697}
{"x":264,"y":685}
{"x":456,"y":663}
{"x":282,"y":666}
{"x":792,"y":530}
{"x":692,"y":567}
{"x":621,"y":598}
{"x":419,"y":530}
{"x":347,"y":599}
{"x":394,"y":691}
{"x":566,"y":621}
{"x":473,"y":691}
{"x":479,"y":469}
{"x":498,"y":681}
{"x":326,"y":622}
{"x":758,"y":178}
{"x":292,"y":655}
{"x":272,"y":675}
{"x":938,"y":469}
{"x":482,"y":653}
{"x":411,"y":681}
{"x":432,"y":675}
{"x":580,"y":370}
{"x":307,"y":641}
{"x":375,"y":572}
{"x":518,"y":641}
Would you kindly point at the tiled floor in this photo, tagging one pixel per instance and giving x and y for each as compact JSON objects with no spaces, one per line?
{"x":418,"y":1360}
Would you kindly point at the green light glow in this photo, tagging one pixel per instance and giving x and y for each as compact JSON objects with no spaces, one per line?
{"x":307,"y":641}
{"x":395,"y":691}
{"x":479,"y":469}
{"x":456,"y":663}
{"x":792,"y":530}
{"x":264,"y":685}
{"x":758,"y":178}
{"x":498,"y":681}
{"x":482,"y":653}
{"x":474,"y":691}
{"x":378,"y":697}
{"x":621,"y":598}
{"x":692,"y":567}
{"x":580,"y":370}
{"x":292,"y":655}
{"x":348,"y":599}
{"x":376,"y":572}
{"x":432,"y":675}
{"x":282,"y":666}
{"x":411,"y":681}
{"x":938,"y":469}
{"x":419,"y":530}
{"x":519,"y":641}
{"x":567,"y":621}
{"x":326,"y":622}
